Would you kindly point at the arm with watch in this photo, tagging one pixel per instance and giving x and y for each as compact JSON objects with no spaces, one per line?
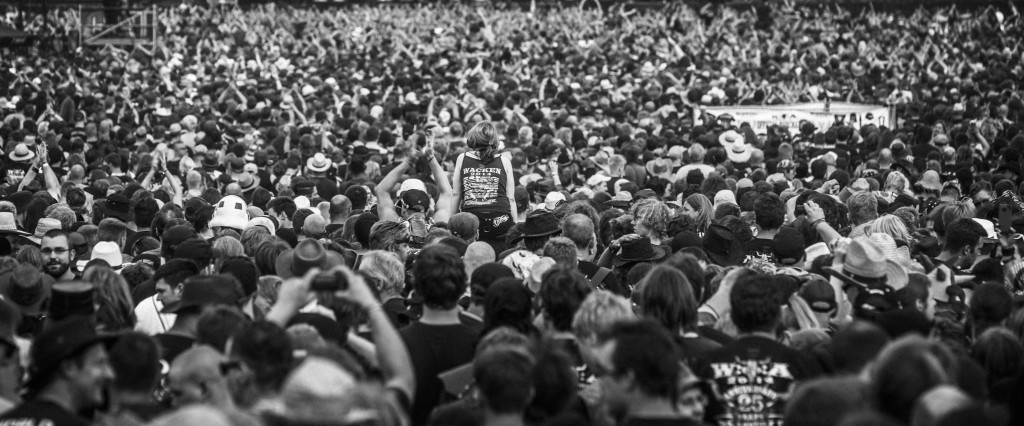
{"x":816,"y":217}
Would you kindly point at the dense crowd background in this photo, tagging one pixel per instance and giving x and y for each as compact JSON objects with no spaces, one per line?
{"x":455,"y":215}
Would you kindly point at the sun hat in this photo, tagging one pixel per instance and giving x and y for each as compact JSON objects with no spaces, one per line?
{"x":21,"y":153}
{"x":318,"y":163}
{"x":866,"y":265}
{"x":109,"y":252}
{"x":738,"y":153}
{"x":230,"y":213}
{"x":8,"y":225}
{"x":306,"y":255}
{"x":730,"y":137}
{"x":207,"y":290}
{"x":44,"y":225}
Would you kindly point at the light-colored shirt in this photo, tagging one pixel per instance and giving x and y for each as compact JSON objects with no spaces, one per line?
{"x":149,"y":319}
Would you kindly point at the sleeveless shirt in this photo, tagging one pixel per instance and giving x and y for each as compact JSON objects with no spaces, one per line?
{"x":484,"y":185}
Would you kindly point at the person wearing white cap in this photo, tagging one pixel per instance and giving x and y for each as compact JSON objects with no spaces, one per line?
{"x":553,"y":200}
{"x":412,"y":194}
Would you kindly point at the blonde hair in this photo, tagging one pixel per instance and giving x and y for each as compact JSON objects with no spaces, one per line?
{"x":599,"y":311}
{"x":705,"y":211}
{"x":892,"y":225}
{"x":896,"y":182}
{"x":386,"y":267}
{"x":652,"y":214}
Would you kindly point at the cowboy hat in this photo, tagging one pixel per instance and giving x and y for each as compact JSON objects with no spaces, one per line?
{"x":306,"y":255}
{"x":865,"y":265}
{"x":660,"y":167}
{"x":540,"y":223}
{"x":639,"y":250}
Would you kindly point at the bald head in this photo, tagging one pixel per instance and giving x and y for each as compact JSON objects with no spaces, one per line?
{"x":233,"y":189}
{"x":76,"y":174}
{"x":477,"y":254}
{"x":341,"y":208}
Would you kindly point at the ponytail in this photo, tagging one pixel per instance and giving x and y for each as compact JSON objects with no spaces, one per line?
{"x":483,"y":138}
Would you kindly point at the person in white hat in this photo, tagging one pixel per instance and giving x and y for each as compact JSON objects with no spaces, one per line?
{"x":412,"y":194}
{"x":231,"y":212}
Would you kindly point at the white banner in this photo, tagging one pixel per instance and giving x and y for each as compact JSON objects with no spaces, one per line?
{"x":760,"y":117}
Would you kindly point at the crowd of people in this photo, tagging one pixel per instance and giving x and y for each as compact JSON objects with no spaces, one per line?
{"x":460,"y":215}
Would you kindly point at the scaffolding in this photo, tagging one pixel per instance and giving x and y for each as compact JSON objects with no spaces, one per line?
{"x":140,"y":28}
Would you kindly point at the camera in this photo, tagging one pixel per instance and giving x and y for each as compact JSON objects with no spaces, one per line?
{"x":329,"y":281}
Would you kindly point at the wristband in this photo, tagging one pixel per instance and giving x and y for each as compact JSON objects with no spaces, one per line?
{"x":814,"y":225}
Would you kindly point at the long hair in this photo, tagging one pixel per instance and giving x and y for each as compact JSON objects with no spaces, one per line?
{"x":483,"y":138}
{"x":702,"y":204}
{"x":116,"y":311}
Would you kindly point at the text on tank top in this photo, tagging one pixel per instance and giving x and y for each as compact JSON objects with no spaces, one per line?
{"x":484,"y":184}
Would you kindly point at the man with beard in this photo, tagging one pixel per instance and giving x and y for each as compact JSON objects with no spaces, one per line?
{"x":57,"y":254}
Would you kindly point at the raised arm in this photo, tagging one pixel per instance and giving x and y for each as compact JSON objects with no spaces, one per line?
{"x":443,"y":207}
{"x":457,"y":185}
{"x":510,"y":188}
{"x":385,"y":205}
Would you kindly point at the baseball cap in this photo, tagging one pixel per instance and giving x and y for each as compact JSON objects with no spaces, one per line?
{"x":415,"y":199}
{"x":464,"y":225}
{"x":819,"y":295}
{"x":553,"y":199}
{"x":788,"y":246}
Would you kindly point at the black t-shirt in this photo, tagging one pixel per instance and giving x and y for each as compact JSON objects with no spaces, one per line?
{"x":640,"y":421}
{"x":435,"y":349}
{"x":754,"y":376}
{"x":12,"y":172}
{"x":172,"y":345}
{"x":761,"y":248}
{"x":41,"y":412}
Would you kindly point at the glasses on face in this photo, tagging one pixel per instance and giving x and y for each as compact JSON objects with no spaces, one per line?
{"x":48,"y":251}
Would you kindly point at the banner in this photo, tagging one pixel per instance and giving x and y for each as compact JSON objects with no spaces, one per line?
{"x":790,"y":116}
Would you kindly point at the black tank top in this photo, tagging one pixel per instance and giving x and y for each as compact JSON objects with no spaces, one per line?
{"x":484,"y":185}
